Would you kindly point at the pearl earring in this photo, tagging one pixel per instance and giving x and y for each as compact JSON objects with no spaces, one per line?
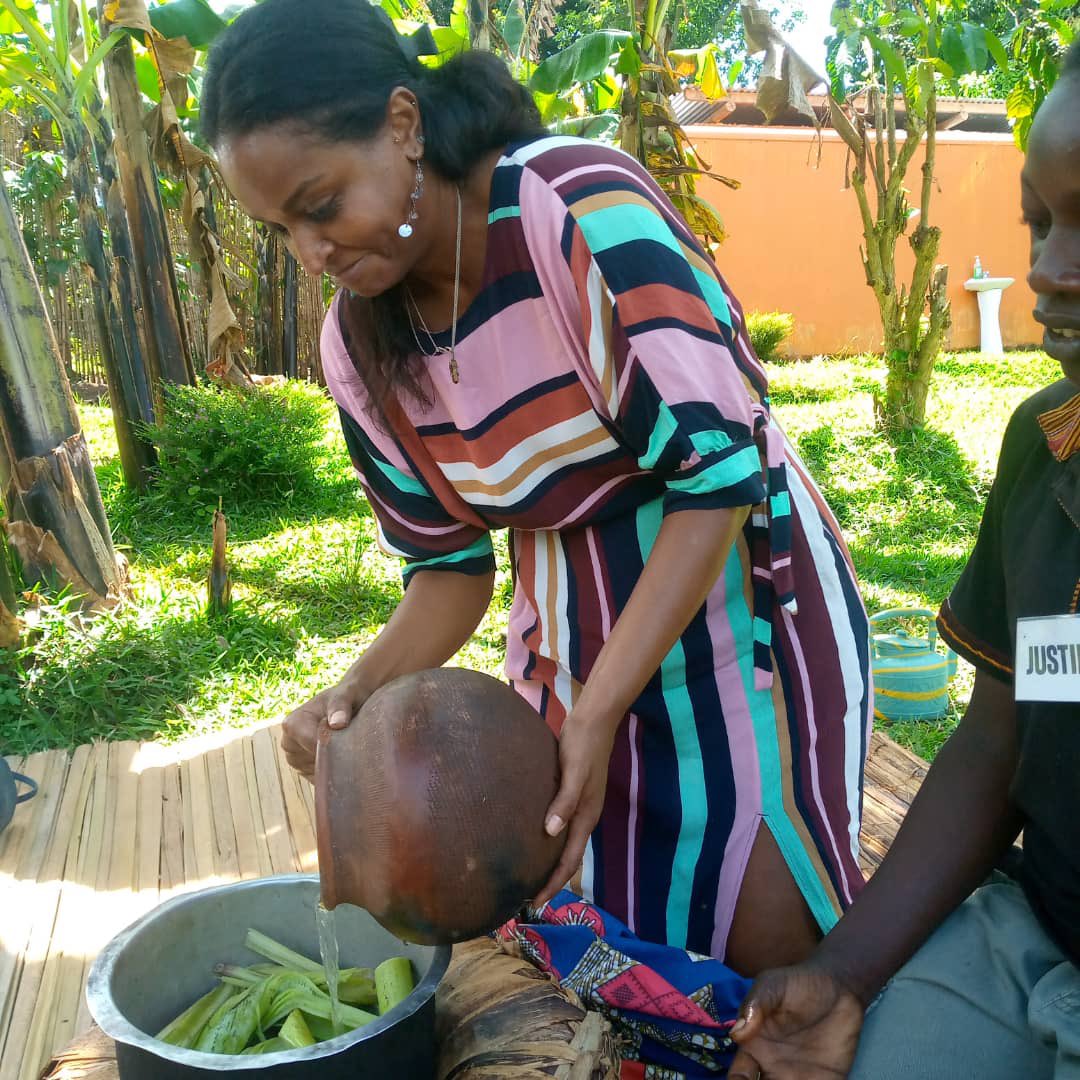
{"x":405,"y":229}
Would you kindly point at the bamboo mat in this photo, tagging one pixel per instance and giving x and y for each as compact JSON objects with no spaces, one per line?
{"x":119,"y":827}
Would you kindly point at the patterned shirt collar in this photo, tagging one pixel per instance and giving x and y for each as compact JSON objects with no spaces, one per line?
{"x":1061,"y":426}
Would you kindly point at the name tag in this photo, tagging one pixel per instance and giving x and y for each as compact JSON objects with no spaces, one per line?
{"x":1048,"y":658}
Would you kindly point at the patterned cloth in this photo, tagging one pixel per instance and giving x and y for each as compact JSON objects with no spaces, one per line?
{"x":670,"y":1009}
{"x":1062,"y":428}
{"x":607,"y":381}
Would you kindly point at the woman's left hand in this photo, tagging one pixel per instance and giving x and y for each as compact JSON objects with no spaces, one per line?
{"x":585,"y":745}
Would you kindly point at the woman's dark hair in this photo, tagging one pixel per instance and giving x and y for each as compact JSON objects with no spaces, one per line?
{"x":329,"y":67}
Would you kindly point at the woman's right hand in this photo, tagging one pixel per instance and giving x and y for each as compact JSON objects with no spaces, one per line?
{"x":335,"y":707}
{"x":797,"y":1023}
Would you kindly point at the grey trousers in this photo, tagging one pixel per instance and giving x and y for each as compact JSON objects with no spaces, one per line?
{"x":988,"y":997}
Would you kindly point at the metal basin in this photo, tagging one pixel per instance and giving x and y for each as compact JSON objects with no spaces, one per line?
{"x":154,"y":969}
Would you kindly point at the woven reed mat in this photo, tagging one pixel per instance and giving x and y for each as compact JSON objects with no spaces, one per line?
{"x":497,"y":1018}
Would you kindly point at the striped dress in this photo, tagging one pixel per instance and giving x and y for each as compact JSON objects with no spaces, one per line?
{"x":606,"y":381}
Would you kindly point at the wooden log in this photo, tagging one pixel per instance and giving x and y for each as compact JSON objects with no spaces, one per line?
{"x":92,"y":1056}
{"x":499,"y":1018}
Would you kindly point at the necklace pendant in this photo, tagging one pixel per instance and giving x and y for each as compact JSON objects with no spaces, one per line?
{"x":454,"y":375}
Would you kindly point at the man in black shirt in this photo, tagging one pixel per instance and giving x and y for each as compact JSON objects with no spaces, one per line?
{"x":982,"y":975}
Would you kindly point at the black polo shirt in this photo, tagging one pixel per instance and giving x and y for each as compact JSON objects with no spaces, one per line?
{"x":1026,"y":563}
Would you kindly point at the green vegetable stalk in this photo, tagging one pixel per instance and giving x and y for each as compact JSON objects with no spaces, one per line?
{"x":295,"y":1030}
{"x":393,"y":982}
{"x":280,"y":954}
{"x":185,"y":1030}
{"x":268,"y":1046}
{"x":283,"y":1004}
{"x":230,"y":1028}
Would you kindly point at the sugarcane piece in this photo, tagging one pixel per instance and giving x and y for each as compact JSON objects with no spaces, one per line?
{"x":393,"y":982}
{"x":321,"y":1029}
{"x":295,"y":1031}
{"x":280,"y":954}
{"x":289,"y":990}
{"x":230,"y":1028}
{"x":235,"y":975}
{"x":268,"y":1046}
{"x":356,"y":986}
{"x":185,"y":1030}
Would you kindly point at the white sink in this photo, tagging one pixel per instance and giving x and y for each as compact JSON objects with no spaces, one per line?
{"x":988,"y":291}
{"x":987,"y":284}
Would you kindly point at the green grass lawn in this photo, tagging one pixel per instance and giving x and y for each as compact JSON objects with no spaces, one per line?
{"x":311,"y":588}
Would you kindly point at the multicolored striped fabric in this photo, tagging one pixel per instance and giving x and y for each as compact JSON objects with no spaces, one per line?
{"x":607,"y":381}
{"x":1061,"y":426}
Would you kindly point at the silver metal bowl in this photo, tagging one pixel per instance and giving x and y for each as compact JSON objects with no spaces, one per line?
{"x":158,"y":966}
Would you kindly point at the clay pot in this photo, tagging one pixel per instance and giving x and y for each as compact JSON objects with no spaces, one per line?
{"x":430,"y":806}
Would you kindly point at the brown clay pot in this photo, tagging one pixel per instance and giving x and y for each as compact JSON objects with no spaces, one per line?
{"x":430,"y":806}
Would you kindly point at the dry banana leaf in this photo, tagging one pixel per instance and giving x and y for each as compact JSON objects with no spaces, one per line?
{"x":92,"y":1056}
{"x":498,"y":1018}
{"x":786,"y":78}
{"x":174,"y":152}
{"x":10,"y":628}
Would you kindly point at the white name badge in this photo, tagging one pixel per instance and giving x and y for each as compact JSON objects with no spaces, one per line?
{"x":1048,"y":658}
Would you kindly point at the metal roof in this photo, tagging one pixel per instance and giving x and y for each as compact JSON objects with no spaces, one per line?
{"x":739,"y":109}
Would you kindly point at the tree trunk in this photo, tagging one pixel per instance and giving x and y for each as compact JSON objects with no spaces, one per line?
{"x":167,"y":348}
{"x":266,"y":270}
{"x":124,"y":372}
{"x":480,"y":24}
{"x":290,"y":359}
{"x":7,"y":578}
{"x":924,"y":316}
{"x":10,"y":628}
{"x":55,"y":518}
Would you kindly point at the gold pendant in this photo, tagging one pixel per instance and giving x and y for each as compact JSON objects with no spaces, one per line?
{"x":453,"y":368}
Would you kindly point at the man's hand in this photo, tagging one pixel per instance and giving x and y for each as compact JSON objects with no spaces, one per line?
{"x":797,"y":1023}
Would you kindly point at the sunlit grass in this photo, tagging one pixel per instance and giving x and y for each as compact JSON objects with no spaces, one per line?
{"x":909,"y":506}
{"x":311,"y":589}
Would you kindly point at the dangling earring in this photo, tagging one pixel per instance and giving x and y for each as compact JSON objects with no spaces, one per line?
{"x":405,"y":229}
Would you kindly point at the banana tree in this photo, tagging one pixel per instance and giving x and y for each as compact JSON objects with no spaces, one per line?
{"x":55,"y":520}
{"x":1036,"y":46}
{"x":618,"y":84}
{"x":172,"y":35}
{"x":53,"y":65}
{"x":166,"y":339}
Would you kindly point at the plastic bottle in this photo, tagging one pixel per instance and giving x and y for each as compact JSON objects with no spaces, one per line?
{"x":979,"y":271}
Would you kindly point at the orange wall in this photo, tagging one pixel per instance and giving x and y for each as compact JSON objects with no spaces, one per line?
{"x":795,"y":232}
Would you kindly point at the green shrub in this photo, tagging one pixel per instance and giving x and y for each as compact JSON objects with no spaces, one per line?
{"x":768,"y":330}
{"x":242,"y":446}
